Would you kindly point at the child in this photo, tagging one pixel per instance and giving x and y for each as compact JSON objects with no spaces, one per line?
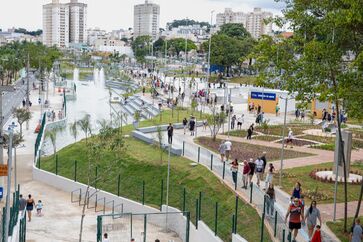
{"x":39,"y":207}
{"x":317,"y":235}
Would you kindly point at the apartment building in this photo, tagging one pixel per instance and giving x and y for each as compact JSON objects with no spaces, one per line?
{"x":64,"y":23}
{"x":146,"y":19}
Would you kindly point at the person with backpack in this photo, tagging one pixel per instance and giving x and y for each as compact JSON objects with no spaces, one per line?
{"x":250,"y":132}
{"x":185,"y":123}
{"x":252,"y":166}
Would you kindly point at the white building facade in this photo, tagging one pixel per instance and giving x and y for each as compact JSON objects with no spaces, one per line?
{"x":252,"y":21}
{"x":146,"y":19}
{"x":64,"y":23}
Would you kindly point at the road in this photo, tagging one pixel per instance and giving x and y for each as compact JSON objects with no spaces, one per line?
{"x":13,"y":99}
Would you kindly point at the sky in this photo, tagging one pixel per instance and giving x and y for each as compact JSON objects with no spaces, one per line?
{"x":117,"y":14}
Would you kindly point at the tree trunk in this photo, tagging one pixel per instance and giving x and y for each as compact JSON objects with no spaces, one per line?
{"x":359,"y":202}
{"x":343,"y":159}
{"x":21,"y":129}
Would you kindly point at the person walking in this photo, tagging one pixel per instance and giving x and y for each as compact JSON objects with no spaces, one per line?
{"x":192,"y":126}
{"x":30,"y":206}
{"x":270,"y":193}
{"x":270,"y":175}
{"x":222,"y":150}
{"x":290,"y":138}
{"x":233,"y":121}
{"x":295,"y":214}
{"x":252,"y":166}
{"x":22,"y":203}
{"x":234,"y":170}
{"x":170,"y":130}
{"x":105,"y":238}
{"x":296,"y":192}
{"x":277,"y":109}
{"x":245,"y":174}
{"x":228,"y":145}
{"x":240,"y":121}
{"x":311,"y":217}
{"x":250,"y":131}
{"x":356,"y":233}
{"x":317,"y":235}
{"x":205,"y":124}
{"x":185,"y":123}
{"x":259,"y":170}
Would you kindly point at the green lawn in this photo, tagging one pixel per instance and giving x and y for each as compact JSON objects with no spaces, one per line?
{"x":141,"y":162}
{"x":277,"y":129}
{"x":337,"y":228}
{"x":309,"y":184}
{"x":249,"y":80}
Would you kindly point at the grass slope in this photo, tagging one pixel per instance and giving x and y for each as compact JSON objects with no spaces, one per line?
{"x":141,"y":162}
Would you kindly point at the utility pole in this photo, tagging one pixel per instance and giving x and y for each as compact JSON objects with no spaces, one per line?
{"x":10,"y":156}
{"x":210,"y":45}
{"x":283,"y":140}
{"x":27,"y":91}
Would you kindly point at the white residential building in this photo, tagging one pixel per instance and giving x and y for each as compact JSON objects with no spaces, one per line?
{"x":192,"y":32}
{"x":252,"y":21}
{"x":56,"y":24}
{"x":77,"y":22}
{"x":146,"y":19}
{"x":64,"y":23}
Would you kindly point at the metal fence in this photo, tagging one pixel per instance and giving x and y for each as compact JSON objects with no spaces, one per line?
{"x":39,"y":135}
{"x":143,"y":227}
{"x":256,"y":196}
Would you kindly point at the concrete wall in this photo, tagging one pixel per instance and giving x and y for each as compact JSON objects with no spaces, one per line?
{"x":238,"y":238}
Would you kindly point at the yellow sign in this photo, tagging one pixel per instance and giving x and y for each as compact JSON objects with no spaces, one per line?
{"x":3,"y":170}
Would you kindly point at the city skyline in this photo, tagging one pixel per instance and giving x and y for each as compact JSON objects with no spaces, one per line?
{"x":119,"y":14}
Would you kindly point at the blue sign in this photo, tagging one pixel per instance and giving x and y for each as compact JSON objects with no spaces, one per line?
{"x":263,"y":96}
{"x":1,"y":192}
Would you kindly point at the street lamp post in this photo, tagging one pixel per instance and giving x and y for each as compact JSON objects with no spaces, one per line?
{"x":210,"y":45}
{"x":8,"y":191}
{"x":283,"y":139}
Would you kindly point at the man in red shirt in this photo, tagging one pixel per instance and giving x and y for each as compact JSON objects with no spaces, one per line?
{"x":296,"y":214}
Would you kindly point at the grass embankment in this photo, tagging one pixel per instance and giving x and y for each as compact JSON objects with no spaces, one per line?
{"x":245,"y":151}
{"x":141,"y":162}
{"x":309,"y":185}
{"x":337,"y":228}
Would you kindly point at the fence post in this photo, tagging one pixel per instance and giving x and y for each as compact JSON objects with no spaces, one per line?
{"x":99,"y":228}
{"x":143,"y":192}
{"x":196,"y":213}
{"x":161,"y":194}
{"x":224,"y":169}
{"x":145,"y":218}
{"x":131,"y":226}
{"x":251,"y":190}
{"x":235,"y":184}
{"x":263,"y":218}
{"x":211,"y":162}
{"x":198,"y":154}
{"x":235,"y":217}
{"x":104,"y":205}
{"x":283,"y":235}
{"x":39,"y":160}
{"x":200,"y":206}
{"x":233,"y":224}
{"x":183,"y":148}
{"x":216,"y":220}
{"x":187,"y":228}
{"x":75,"y":170}
{"x":56,"y":164}
{"x":275,"y":226}
{"x":184,"y":197}
{"x":118,"y":184}
{"x":289,"y":236}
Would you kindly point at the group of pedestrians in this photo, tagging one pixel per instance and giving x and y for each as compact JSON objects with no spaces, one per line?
{"x":190,"y":124}
{"x":28,"y":205}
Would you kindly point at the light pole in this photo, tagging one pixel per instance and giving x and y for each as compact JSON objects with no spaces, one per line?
{"x":186,"y":42}
{"x":8,"y":191}
{"x":210,"y":45}
{"x":167,"y":187}
{"x":283,"y":138}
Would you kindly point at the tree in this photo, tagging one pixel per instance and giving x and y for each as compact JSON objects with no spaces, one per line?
{"x":141,"y":47}
{"x":215,"y":121}
{"x":85,"y":125}
{"x":234,"y":30}
{"x":52,"y":135}
{"x":22,"y":115}
{"x":73,"y":129}
{"x":177,"y":45}
{"x":323,"y":60}
{"x":186,"y":22}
